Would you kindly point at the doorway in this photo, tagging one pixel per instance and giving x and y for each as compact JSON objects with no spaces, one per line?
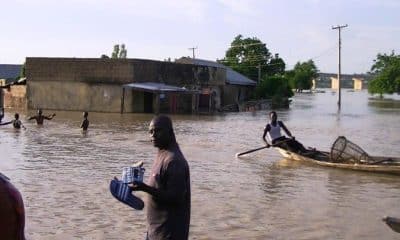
{"x":148,"y":102}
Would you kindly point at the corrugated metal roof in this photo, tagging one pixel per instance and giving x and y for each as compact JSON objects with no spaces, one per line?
{"x":157,"y":87}
{"x":232,"y":77}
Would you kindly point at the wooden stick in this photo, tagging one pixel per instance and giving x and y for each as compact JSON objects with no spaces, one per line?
{"x":250,"y":151}
{"x":260,"y":148}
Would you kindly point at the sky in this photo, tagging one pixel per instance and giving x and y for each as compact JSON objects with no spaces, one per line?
{"x":298,"y":30}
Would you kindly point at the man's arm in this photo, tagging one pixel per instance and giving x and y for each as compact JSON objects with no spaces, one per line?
{"x":33,"y":117}
{"x":49,"y":117}
{"x":285,"y":129}
{"x":6,"y":123}
{"x":175,"y":188}
{"x":266,"y":129}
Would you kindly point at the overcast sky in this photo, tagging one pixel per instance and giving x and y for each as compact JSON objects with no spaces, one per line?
{"x":157,"y":29}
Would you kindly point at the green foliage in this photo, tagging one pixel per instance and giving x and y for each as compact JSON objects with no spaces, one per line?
{"x":276,"y":65}
{"x":386,"y":69}
{"x":301,"y":76}
{"x":104,"y":56}
{"x":245,"y":55}
{"x":119,"y":51}
{"x":22,"y":73}
{"x":273,"y":87}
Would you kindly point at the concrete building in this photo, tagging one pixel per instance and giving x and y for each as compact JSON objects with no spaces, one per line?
{"x":8,"y":74}
{"x":237,"y":88}
{"x":118,"y":85}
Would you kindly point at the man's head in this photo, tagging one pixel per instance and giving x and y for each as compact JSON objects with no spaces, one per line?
{"x":85,"y":114}
{"x":39,"y":111}
{"x":273,"y":116}
{"x":161,"y":132}
{"x":16,"y":116}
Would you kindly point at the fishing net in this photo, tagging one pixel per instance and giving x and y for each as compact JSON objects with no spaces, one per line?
{"x":344,"y":150}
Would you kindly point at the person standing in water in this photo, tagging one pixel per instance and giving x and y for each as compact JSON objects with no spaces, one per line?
{"x":17,"y":124}
{"x":168,"y":188}
{"x":40,"y":118}
{"x":1,"y":113}
{"x":85,"y":122}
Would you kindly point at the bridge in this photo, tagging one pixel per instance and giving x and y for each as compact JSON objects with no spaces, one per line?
{"x":352,"y":81}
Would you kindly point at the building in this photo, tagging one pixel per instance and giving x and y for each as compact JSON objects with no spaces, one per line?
{"x":118,"y":85}
{"x":133,"y":85}
{"x":8,"y":74}
{"x":237,"y":88}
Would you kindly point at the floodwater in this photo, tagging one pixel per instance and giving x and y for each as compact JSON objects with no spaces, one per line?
{"x":64,"y":175}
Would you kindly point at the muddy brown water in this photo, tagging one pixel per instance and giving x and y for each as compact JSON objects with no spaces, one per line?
{"x":64,"y":175}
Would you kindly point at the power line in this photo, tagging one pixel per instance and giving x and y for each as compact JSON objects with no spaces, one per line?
{"x":193,"y":48}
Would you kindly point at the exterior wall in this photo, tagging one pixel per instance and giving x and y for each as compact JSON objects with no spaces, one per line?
{"x":15,"y":96}
{"x":233,"y":94}
{"x":95,"y":84}
{"x":76,"y":96}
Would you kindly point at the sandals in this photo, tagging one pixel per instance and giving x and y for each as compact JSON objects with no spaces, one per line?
{"x":123,"y":193}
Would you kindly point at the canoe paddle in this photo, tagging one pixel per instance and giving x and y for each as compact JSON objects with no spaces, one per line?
{"x":250,"y":151}
{"x":260,"y":148}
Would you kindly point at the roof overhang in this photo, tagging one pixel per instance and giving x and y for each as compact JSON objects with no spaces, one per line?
{"x":158,"y":88}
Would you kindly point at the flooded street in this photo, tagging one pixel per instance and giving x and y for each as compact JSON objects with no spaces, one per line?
{"x":63,"y":175}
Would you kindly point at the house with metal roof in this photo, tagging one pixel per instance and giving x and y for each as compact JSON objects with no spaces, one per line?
{"x":118,"y":85}
{"x":237,"y":88}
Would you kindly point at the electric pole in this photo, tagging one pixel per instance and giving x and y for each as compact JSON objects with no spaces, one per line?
{"x":193,"y":48}
{"x":338,"y":27}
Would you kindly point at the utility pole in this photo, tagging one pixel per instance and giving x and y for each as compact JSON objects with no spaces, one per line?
{"x":193,"y":48}
{"x":338,"y":27}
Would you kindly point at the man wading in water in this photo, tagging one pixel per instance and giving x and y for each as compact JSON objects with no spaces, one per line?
{"x":168,"y":202}
{"x":40,"y":118}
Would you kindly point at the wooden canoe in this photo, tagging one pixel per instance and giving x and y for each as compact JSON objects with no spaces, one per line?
{"x":381,"y":164}
{"x":393,"y":223}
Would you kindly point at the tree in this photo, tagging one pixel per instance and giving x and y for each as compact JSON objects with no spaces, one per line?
{"x":104,"y":56}
{"x":115,"y":52}
{"x":119,"y":51}
{"x":276,"y":65}
{"x":301,"y":76}
{"x":22,"y":72}
{"x":386,"y":69}
{"x":245,"y":55}
{"x":123,"y":53}
{"x":276,"y":88}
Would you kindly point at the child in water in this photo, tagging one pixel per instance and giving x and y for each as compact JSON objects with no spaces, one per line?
{"x":85,"y":122}
{"x":17,"y":124}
